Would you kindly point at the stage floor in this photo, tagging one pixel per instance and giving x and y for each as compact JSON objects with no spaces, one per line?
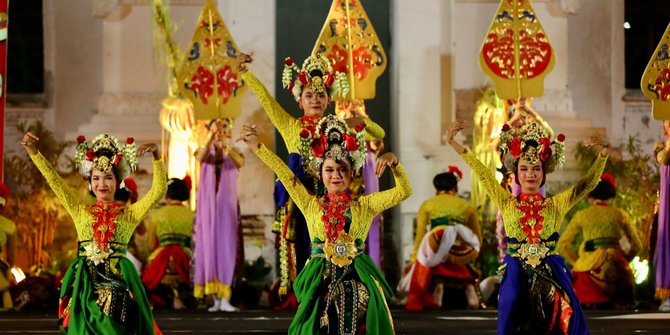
{"x":271,"y":322}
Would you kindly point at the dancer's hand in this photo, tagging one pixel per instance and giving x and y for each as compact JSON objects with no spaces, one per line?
{"x":454,"y":129}
{"x":249,"y":135}
{"x":149,"y":147}
{"x":599,"y":140}
{"x":29,"y":140}
{"x":242,"y":61}
{"x":388,"y":159}
{"x":352,"y":122}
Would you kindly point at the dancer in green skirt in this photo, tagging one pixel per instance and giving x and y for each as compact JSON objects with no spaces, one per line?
{"x":340,"y":290}
{"x":101,"y":292}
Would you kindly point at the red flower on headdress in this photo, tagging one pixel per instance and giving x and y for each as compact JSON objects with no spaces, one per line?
{"x":318,"y":147}
{"x":607,"y":177}
{"x":545,"y":149}
{"x":359,"y":127}
{"x":329,"y":80}
{"x":4,"y":191}
{"x":187,"y":180}
{"x":506,"y":127}
{"x":81,"y":139}
{"x":302,"y":76}
{"x":455,"y":170}
{"x":130,"y":140}
{"x":350,"y":142}
{"x":290,"y":86}
{"x":304,"y":133}
{"x":117,"y":159}
{"x":90,"y":155}
{"x":288,"y":61}
{"x":560,"y":137}
{"x":515,"y":147}
{"x":132,"y":186}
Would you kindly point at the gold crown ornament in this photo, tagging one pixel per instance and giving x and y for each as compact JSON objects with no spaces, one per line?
{"x":333,"y":139}
{"x":317,"y":74}
{"x":104,"y":154}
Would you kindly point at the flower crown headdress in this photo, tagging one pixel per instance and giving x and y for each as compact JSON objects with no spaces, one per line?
{"x":315,"y":73}
{"x":532,"y":144}
{"x":104,"y":153}
{"x":333,"y":139}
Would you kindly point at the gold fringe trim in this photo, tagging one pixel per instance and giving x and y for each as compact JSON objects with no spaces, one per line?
{"x":215,"y":287}
{"x":662,"y":293}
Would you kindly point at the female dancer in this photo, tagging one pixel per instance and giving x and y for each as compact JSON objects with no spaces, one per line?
{"x":340,"y":290}
{"x":217,"y":217}
{"x":313,"y":88}
{"x":536,"y":296}
{"x":601,"y":274}
{"x":101,"y":292}
{"x":167,"y":274}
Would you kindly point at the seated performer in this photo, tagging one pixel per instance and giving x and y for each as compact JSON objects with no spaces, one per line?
{"x":101,"y":292}
{"x":601,"y":275}
{"x":8,"y":241}
{"x":167,"y":275}
{"x":536,"y":295}
{"x":340,"y":290}
{"x":447,"y":239}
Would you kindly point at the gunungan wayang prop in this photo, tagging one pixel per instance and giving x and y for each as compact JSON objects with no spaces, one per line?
{"x":655,"y":82}
{"x":351,"y":44}
{"x":208,"y":76}
{"x":516,"y":53}
{"x":176,"y":116}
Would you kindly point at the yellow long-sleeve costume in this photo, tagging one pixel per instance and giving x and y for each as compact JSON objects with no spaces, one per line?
{"x":444,"y":253}
{"x":444,"y":206}
{"x":96,"y":292}
{"x":172,"y":227}
{"x":533,"y":274}
{"x":555,"y":206}
{"x":8,"y":241}
{"x":601,"y":272}
{"x":308,"y":285}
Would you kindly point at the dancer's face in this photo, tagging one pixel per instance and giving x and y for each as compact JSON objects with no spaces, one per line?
{"x":336,"y":176}
{"x":314,"y":104}
{"x":530,"y":176}
{"x":103,"y":185}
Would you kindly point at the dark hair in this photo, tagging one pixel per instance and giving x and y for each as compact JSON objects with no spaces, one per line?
{"x":177,"y":190}
{"x":122,"y":195}
{"x":445,"y":181}
{"x":603,"y":191}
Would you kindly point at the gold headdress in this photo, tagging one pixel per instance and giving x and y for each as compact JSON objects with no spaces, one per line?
{"x":315,"y":73}
{"x":333,"y":140}
{"x":105,"y":154}
{"x":532,"y":144}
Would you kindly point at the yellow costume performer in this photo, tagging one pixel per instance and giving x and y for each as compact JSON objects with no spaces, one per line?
{"x":601,"y":274}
